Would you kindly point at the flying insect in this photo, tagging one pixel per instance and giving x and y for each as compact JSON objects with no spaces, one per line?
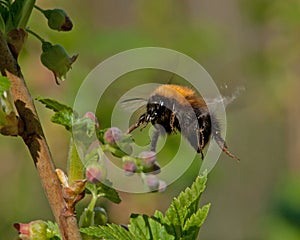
{"x":173,"y":108}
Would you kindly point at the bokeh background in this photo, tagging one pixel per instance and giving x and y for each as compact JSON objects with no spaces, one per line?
{"x":249,"y":44}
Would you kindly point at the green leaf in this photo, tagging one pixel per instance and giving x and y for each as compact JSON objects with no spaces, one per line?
{"x":138,"y":227}
{"x":2,"y":24}
{"x":158,"y":231}
{"x":104,"y":191}
{"x":4,"y":84}
{"x":64,"y":115}
{"x":64,"y":118}
{"x":182,"y":221}
{"x":183,"y":207}
{"x":144,"y":228}
{"x":54,"y":105}
{"x":197,"y":219}
{"x":75,"y":166}
{"x":20,"y":12}
{"x":108,"y":192}
{"x":158,"y":215}
{"x":53,"y":231}
{"x":109,"y":232}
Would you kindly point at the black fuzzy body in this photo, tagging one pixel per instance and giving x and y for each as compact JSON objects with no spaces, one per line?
{"x":173,"y":108}
{"x":194,"y":123}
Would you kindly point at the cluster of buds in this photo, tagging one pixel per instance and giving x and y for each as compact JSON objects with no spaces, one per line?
{"x":118,"y":144}
{"x":146,"y":162}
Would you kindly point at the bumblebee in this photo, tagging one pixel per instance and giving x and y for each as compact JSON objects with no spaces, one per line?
{"x":173,"y":108}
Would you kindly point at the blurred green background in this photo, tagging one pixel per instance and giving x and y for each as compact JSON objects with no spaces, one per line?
{"x":251,"y":44}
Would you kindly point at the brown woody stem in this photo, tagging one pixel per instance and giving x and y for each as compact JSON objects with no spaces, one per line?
{"x":33,"y":136}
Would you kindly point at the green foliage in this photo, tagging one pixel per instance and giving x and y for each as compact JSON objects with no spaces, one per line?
{"x":180,"y":216}
{"x":104,"y":190}
{"x":4,"y":84}
{"x":15,"y":15}
{"x":54,"y":105}
{"x":109,"y":232}
{"x":182,"y":220}
{"x":2,"y":24}
{"x":53,"y":231}
{"x":64,"y":114}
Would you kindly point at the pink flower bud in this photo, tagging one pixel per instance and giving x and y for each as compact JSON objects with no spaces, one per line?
{"x":33,"y":230}
{"x":113,"y":135}
{"x":95,"y":173}
{"x":152,"y":182}
{"x":162,"y":186}
{"x":129,"y":167}
{"x":92,"y":116}
{"x":148,"y":158}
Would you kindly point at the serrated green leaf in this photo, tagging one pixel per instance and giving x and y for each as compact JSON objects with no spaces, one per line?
{"x":158,"y":231}
{"x":175,"y":217}
{"x":138,"y":227}
{"x":109,"y":232}
{"x":64,"y":115}
{"x":64,"y":118}
{"x":109,"y":193}
{"x":197,"y":219}
{"x":183,"y":207}
{"x":158,"y":215}
{"x":104,"y":191}
{"x":54,"y":105}
{"x":5,"y":84}
{"x":53,"y":232}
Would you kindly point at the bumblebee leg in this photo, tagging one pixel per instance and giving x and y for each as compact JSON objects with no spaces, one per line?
{"x":141,"y":120}
{"x":200,"y":140}
{"x":222,"y":144}
{"x":132,"y":127}
{"x":154,"y":139}
{"x":172,"y":119}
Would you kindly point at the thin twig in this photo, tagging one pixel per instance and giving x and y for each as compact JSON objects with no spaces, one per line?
{"x":34,"y":138}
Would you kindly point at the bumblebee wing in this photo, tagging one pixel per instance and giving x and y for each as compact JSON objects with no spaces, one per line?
{"x":133,"y":104}
{"x":136,"y":107}
{"x":226,"y":100}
